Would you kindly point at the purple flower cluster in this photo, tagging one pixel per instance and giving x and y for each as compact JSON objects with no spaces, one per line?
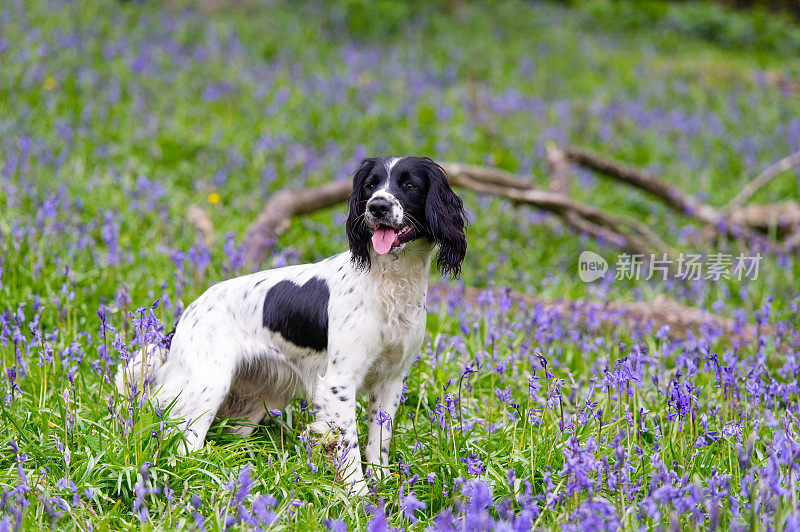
{"x":260,"y":512}
{"x":617,"y":456}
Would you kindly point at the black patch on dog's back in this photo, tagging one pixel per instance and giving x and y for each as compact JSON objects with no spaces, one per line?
{"x":299,"y":313}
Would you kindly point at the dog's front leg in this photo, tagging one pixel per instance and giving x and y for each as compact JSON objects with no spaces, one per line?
{"x":384,"y":399}
{"x":335,"y":401}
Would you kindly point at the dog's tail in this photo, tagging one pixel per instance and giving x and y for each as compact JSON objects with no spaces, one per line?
{"x":142,"y":368}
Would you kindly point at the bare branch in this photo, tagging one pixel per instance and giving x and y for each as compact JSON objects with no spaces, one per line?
{"x":488,"y":175}
{"x":282,"y":206}
{"x":642,"y":241}
{"x":643,"y":180}
{"x":783,"y":216}
{"x":762,"y":179}
{"x":721,"y":223}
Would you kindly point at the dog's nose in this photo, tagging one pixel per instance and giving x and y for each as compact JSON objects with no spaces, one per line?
{"x":378,"y":207}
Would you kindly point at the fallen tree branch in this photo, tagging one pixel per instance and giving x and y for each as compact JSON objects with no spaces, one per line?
{"x":619,"y":231}
{"x":762,"y":179}
{"x":276,"y":215}
{"x":578,"y":215}
{"x":784,"y":217}
{"x":720,"y":222}
{"x":487,"y":174}
{"x":643,"y":180}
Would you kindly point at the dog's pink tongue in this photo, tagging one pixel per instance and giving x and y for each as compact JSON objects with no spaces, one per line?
{"x":382,"y":240}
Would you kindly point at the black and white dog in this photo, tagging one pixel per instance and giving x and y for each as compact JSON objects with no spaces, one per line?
{"x":353,"y":322}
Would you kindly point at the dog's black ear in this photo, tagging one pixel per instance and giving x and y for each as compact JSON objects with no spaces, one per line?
{"x":444,"y":212}
{"x":358,"y":234}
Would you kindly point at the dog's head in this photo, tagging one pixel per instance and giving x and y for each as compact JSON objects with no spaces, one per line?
{"x":397,"y":200}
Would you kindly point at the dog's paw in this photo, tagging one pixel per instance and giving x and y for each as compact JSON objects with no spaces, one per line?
{"x":330,"y":442}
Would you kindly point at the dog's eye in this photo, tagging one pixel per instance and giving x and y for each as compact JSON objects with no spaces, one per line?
{"x":369,"y":186}
{"x":408,"y":185}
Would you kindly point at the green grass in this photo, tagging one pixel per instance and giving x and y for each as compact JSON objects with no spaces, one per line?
{"x":115,"y":117}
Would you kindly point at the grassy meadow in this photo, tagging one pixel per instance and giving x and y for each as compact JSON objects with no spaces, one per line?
{"x":115,"y":117}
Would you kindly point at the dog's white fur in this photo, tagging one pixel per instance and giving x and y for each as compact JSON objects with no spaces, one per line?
{"x":225,"y":360}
